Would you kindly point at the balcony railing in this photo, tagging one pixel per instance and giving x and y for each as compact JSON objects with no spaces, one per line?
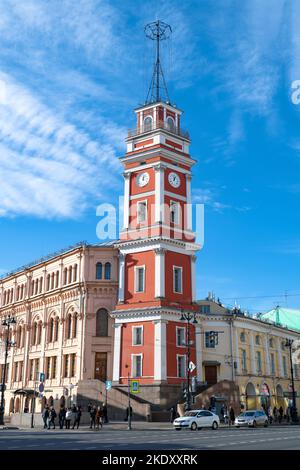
{"x":158,"y":125}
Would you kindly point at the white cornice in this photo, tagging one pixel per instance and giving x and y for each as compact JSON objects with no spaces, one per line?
{"x":161,"y":152}
{"x":149,"y":244}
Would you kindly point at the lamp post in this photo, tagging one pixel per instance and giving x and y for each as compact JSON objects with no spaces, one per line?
{"x":129,"y":405}
{"x":289,"y":344}
{"x":6,"y":323}
{"x":189,"y":317}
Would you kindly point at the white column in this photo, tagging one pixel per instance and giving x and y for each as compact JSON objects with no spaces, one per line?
{"x":237,"y":356}
{"x":176,"y":120}
{"x":193,"y":278}
{"x":280,"y":357}
{"x":268,"y":368}
{"x":117,"y":351}
{"x":159,"y":193}
{"x":154,"y":117}
{"x":188,"y":211}
{"x":160,"y":350}
{"x":159,"y":272}
{"x":199,"y":353}
{"x":252,"y":354}
{"x":121,"y":277}
{"x":126,"y":199}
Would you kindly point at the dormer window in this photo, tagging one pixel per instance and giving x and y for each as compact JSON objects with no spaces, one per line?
{"x":170,"y":124}
{"x":148,"y":124}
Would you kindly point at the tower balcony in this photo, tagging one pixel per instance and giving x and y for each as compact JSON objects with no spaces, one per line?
{"x":145,"y":129}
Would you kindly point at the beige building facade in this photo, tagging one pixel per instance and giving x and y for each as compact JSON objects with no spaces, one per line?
{"x":63,"y":328}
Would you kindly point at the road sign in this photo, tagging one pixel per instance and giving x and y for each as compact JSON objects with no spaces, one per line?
{"x":42,"y":377}
{"x":135,"y":386}
{"x":191,"y":366}
{"x":108,"y":384}
{"x":41,"y":387}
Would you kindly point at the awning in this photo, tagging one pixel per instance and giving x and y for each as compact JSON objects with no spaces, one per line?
{"x":26,"y":392}
{"x":211,"y":363}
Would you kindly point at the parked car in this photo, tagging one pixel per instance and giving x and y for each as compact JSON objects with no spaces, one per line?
{"x":252,"y":418}
{"x":197,"y":419}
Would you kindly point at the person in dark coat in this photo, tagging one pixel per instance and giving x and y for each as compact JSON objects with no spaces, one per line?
{"x":280,"y":414}
{"x":52,"y":416}
{"x":45,"y":416}
{"x":231,"y":415}
{"x":173,"y":414}
{"x":93,"y":417}
{"x":127,"y":413}
{"x":62,"y":417}
{"x":77,"y":417}
{"x":104,"y":411}
{"x":99,"y":417}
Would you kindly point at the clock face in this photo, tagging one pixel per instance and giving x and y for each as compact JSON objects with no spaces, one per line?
{"x":174,"y":180}
{"x":142,"y":179}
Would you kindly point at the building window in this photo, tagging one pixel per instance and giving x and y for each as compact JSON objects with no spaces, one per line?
{"x":34,"y":334}
{"x":272,"y":360}
{"x":242,"y":337}
{"x":48,"y":367}
{"x":258,"y":361}
{"x":56,"y":324}
{"x":181,"y":368}
{"x":257,"y":340}
{"x":75,"y":321}
{"x":141,"y":212}
{"x":137,"y":334}
{"x":177,"y":279}
{"x":69,"y":326}
{"x":136,"y":365}
{"x":65,"y":276}
{"x":102,"y":322}
{"x":107,"y":271}
{"x":75,"y":273}
{"x":174,"y":212}
{"x":204,"y":308}
{"x":39,"y":333}
{"x":284,"y":365}
{"x":51,"y":330}
{"x":73,"y":365}
{"x":271,"y":343}
{"x":31,"y":369}
{"x":244,"y":360}
{"x":66,"y":366}
{"x":148,"y":124}
{"x":99,"y":271}
{"x":211,"y":339}
{"x":180,"y":336}
{"x":170,"y":124}
{"x":282,"y":346}
{"x":140,"y":279}
{"x":53,"y":371}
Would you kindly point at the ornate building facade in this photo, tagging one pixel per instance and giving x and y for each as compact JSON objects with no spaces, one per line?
{"x":63,"y":327}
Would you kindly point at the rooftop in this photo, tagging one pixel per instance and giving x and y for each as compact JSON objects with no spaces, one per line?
{"x":286,"y":317}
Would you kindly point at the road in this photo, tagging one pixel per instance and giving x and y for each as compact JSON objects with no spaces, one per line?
{"x":278,"y":438}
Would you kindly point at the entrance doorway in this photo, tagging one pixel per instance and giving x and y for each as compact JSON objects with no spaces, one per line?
{"x":211,"y":375}
{"x":101,"y":366}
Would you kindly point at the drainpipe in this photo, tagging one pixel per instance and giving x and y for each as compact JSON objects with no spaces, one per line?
{"x":231,"y":349}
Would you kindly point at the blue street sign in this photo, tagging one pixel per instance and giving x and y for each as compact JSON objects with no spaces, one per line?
{"x":42,"y":377}
{"x":41,"y":387}
{"x":135,"y":386}
{"x":108,"y":384}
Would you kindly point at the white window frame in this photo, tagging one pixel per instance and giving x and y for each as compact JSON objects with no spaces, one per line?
{"x":177,"y":365}
{"x":132,"y":364}
{"x":146,"y":211}
{"x":144,"y":126}
{"x":136,"y":278}
{"x":184,"y":329}
{"x":181,"y":270}
{"x":167,"y":125}
{"x":177,"y":212}
{"x":135,"y":327}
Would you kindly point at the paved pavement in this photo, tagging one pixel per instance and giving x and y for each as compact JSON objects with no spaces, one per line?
{"x":153,"y":437}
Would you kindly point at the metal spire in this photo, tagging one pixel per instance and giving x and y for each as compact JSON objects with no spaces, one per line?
{"x":158,"y":31}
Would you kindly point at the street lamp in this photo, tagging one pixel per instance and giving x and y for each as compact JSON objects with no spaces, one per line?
{"x":189,"y":317}
{"x":289,"y":344}
{"x":6,"y":323}
{"x":129,"y":404}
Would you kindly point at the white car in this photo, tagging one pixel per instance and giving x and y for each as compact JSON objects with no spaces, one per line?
{"x":197,"y":419}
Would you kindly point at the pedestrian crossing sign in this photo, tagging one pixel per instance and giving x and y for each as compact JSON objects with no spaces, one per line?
{"x":135,"y":386}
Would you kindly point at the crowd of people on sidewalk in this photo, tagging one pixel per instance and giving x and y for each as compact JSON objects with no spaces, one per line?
{"x":69,"y":418}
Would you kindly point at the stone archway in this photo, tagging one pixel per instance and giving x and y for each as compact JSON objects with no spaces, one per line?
{"x":251,"y":398}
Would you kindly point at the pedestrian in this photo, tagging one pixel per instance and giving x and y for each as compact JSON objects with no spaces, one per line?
{"x":127,"y":413}
{"x":52,"y":416}
{"x":105,"y":414}
{"x":89,"y":407}
{"x":99,"y":417}
{"x":280,"y":414}
{"x":69,"y":415}
{"x":231,"y":415}
{"x":62,"y":417}
{"x":45,"y":416}
{"x":275,"y":414}
{"x":77,"y":417}
{"x":93,"y":417}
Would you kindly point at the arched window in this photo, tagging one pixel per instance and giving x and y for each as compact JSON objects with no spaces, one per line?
{"x":148,"y":124}
{"x":69,"y":325}
{"x":65,"y":276}
{"x":70,"y":274}
{"x":257,"y":339}
{"x":75,"y":273}
{"x":99,"y":271}
{"x":170,"y":124}
{"x":57,"y":279}
{"x":51,"y":330}
{"x":102,"y":322}
{"x":56,"y":324}
{"x":18,"y":293}
{"x":39,"y":333}
{"x":48,"y":282}
{"x":107,"y":272}
{"x":23,"y":336}
{"x":34,"y":334}
{"x":75,"y":319}
{"x":41,"y":285}
{"x":52,"y":280}
{"x":22,"y":292}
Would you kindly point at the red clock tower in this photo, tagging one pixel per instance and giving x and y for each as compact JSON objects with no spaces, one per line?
{"x":157,"y":280}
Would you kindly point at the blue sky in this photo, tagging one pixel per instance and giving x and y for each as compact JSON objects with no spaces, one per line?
{"x":71,"y":73}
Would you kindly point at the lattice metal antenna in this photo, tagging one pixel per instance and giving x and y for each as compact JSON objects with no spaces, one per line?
{"x":158,"y":31}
